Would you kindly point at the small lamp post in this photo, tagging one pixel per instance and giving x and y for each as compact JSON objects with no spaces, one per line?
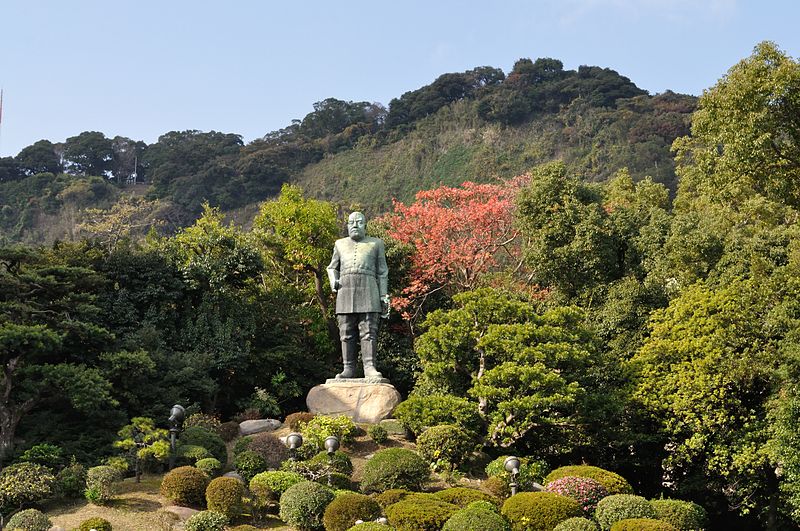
{"x":293,"y":442}
{"x":176,"y":417}
{"x":331,"y":445}
{"x":511,"y":464}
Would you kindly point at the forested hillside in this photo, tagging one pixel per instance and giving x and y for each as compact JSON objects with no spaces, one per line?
{"x":478,"y":125}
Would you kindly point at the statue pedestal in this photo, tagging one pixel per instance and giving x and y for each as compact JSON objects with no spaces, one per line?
{"x":359,"y":399}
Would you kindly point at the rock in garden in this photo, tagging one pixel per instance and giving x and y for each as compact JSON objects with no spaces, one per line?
{"x":249,"y":427}
{"x":362,"y":402}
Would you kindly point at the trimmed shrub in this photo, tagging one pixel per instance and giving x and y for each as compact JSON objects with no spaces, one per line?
{"x":228,"y":431}
{"x":462,"y":496}
{"x":483,"y":504}
{"x":270,"y":448}
{"x":209,"y":466}
{"x":303,"y":505}
{"x":185,"y":485}
{"x":102,"y":483}
{"x":578,"y":523}
{"x":269,"y":486}
{"x":29,"y":520}
{"x":224,"y":495}
{"x":71,"y":481}
{"x":248,"y":464}
{"x":342,"y":513}
{"x":421,"y":412}
{"x":209,"y":422}
{"x":642,"y":524}
{"x":316,"y":430}
{"x":340,"y":462}
{"x":530,"y":471}
{"x":476,"y":519}
{"x":24,"y":483}
{"x":189,"y":454}
{"x":586,"y":491}
{"x":394,"y":468}
{"x":44,"y":454}
{"x":614,"y":483}
{"x":243,"y":527}
{"x":200,"y":436}
{"x":616,"y":507}
{"x":388,"y":497}
{"x":242,"y":444}
{"x":534,"y":511}
{"x":96,"y":523}
{"x":295,"y":421}
{"x":497,"y":487}
{"x":336,"y":480}
{"x":378,"y":434}
{"x":684,"y":515}
{"x":371,"y":526}
{"x":420,"y":512}
{"x":445,"y":446}
{"x":206,"y":521}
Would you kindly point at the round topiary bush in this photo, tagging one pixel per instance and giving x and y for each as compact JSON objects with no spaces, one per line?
{"x":269,"y":486}
{"x":249,"y":463}
{"x":316,"y":430}
{"x":29,"y":520}
{"x":530,"y":471}
{"x":228,"y":431}
{"x":616,"y":507}
{"x":482,"y":504}
{"x":394,"y":468}
{"x":614,"y":483}
{"x":209,"y":422}
{"x":420,"y":512}
{"x":303,"y":505}
{"x":642,"y":524}
{"x":578,"y":523}
{"x":340,"y":462}
{"x":421,"y":412}
{"x":241,"y":444}
{"x":586,"y":491}
{"x":210,"y":466}
{"x":189,"y":454}
{"x":200,"y":436}
{"x":378,"y":434}
{"x":529,"y":511}
{"x":102,"y":483}
{"x":270,"y":447}
{"x":71,"y":481}
{"x":342,"y":513}
{"x":684,"y":515}
{"x":206,"y":521}
{"x":388,"y":497}
{"x":445,"y":446}
{"x":295,"y":421}
{"x":224,"y":495}
{"x":185,"y":485}
{"x":476,"y":519}
{"x":462,"y":496}
{"x":96,"y":524}
{"x":24,"y":483}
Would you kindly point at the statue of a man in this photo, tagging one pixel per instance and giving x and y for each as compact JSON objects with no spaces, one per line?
{"x":360,"y":278}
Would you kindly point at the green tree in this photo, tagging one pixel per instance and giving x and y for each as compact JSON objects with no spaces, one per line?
{"x":40,"y":157}
{"x":89,"y":153}
{"x":141,"y":440}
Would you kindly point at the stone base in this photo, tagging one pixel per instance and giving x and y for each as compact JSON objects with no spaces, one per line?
{"x":354,"y":397}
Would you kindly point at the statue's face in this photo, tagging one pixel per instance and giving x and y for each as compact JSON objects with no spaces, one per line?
{"x":357,"y":226}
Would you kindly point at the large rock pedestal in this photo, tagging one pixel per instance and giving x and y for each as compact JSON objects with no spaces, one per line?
{"x":359,"y":400}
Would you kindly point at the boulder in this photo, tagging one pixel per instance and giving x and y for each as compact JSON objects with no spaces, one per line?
{"x":182,"y":513}
{"x":250,"y":427}
{"x":361,"y":401}
{"x":234,"y":475}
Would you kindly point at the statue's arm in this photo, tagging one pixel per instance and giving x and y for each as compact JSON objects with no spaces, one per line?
{"x":333,"y":270}
{"x":382,"y":271}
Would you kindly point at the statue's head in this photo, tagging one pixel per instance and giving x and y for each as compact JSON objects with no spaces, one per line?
{"x":357,"y":226}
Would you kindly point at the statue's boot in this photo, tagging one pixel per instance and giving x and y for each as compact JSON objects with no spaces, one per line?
{"x":368,"y":358}
{"x":348,"y":360}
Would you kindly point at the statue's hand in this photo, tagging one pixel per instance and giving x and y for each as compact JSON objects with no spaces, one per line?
{"x":335,"y":286}
{"x":385,"y":307}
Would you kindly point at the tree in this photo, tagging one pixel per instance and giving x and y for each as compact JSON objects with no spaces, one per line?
{"x":458,"y":235}
{"x":89,"y":153}
{"x":745,"y":140}
{"x":49,"y":338}
{"x":299,"y":234}
{"x":141,"y":440}
{"x":9,"y":170}
{"x":40,"y":157}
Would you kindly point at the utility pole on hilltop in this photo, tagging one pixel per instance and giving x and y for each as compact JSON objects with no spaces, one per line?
{"x":1,"y":122}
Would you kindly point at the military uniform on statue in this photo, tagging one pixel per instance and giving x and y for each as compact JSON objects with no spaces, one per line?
{"x":359,"y":276}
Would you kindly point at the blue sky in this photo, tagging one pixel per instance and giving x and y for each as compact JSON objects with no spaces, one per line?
{"x":142,"y":68}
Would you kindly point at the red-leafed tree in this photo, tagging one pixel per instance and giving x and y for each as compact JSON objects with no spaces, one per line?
{"x":458,"y":235}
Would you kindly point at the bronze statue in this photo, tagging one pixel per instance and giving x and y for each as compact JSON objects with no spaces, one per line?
{"x":360,"y":278}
